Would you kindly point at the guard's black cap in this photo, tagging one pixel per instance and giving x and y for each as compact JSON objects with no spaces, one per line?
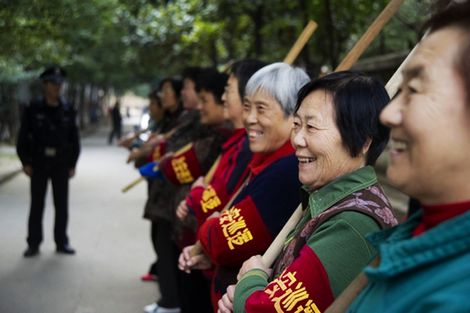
{"x":54,"y":74}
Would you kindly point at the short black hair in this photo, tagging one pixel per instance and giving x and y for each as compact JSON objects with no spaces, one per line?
{"x":243,"y":70}
{"x":192,"y":73}
{"x":448,"y":13}
{"x":176,"y":84}
{"x":212,"y":81}
{"x":358,"y":100}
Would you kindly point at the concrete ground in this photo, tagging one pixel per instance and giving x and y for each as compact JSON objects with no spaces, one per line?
{"x":105,"y":226}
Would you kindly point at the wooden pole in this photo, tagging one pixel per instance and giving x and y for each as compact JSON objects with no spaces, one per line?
{"x":300,"y":42}
{"x":277,"y":245}
{"x":395,"y":81}
{"x":210,"y":173}
{"x":353,"y":55}
{"x":369,"y":35}
{"x":348,"y":295}
{"x":132,"y":184}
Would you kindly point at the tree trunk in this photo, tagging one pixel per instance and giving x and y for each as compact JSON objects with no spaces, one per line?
{"x":258,"y":21}
{"x":306,"y":18}
{"x":81,"y":106}
{"x":382,"y":45}
{"x":213,"y":52}
{"x":331,"y":34}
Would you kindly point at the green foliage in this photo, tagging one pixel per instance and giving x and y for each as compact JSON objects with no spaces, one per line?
{"x":124,"y":43}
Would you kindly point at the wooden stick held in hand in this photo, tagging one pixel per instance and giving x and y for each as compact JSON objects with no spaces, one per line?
{"x":132,"y":184}
{"x":210,"y":173}
{"x":300,"y":43}
{"x":348,"y":295}
{"x":372,"y":32}
{"x":276,"y":246}
{"x":395,"y":81}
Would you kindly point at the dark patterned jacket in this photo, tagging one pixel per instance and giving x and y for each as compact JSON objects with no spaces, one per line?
{"x":164,"y":195}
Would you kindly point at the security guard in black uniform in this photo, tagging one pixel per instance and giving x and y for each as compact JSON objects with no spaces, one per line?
{"x":48,"y":147}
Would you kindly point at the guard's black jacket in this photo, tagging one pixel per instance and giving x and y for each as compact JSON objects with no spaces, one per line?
{"x":48,"y":135}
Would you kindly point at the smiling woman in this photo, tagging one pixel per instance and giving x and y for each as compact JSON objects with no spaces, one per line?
{"x":336,"y":135}
{"x":268,"y":108}
{"x":418,"y":166}
{"x":429,"y":160}
{"x":265,"y":122}
{"x":319,"y":147}
{"x":336,"y":129}
{"x":210,"y":88}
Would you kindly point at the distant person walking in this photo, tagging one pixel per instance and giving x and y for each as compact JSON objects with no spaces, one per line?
{"x":116,"y":119}
{"x":48,"y":147}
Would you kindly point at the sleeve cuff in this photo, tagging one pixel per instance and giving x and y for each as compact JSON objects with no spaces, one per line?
{"x":253,"y":280}
{"x":258,"y":273}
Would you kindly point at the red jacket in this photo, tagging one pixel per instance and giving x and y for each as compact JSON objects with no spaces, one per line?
{"x":230,"y":173}
{"x":257,"y":215}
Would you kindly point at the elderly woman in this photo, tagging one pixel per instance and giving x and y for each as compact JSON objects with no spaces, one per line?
{"x":232,"y":168}
{"x":425,"y":262}
{"x":270,"y":193}
{"x":337,"y":138}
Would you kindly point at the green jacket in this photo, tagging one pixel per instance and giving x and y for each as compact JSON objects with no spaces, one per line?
{"x":334,"y":248}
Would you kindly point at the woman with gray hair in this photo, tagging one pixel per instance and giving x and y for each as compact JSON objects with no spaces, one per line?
{"x":270,"y":194}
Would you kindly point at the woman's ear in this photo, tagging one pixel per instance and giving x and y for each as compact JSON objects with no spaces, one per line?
{"x":366,"y":146}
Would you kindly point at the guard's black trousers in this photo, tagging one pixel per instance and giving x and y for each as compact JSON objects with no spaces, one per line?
{"x":59,"y":177}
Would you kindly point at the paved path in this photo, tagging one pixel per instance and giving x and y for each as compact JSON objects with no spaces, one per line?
{"x":106,"y":228}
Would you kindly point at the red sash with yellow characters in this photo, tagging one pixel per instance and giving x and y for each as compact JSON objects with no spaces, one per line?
{"x":183,"y":167}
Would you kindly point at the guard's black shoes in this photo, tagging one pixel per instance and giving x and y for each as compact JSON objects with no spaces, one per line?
{"x":65,"y":249}
{"x":31,"y":251}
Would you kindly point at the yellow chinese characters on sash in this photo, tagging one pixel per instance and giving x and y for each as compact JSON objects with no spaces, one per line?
{"x":288,"y":295}
{"x":209,"y":200}
{"x":180,"y":167}
{"x":234,"y":228}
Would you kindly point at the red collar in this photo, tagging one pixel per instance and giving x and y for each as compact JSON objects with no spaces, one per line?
{"x":236,"y":135}
{"x":433,"y":215}
{"x":261,"y":160}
